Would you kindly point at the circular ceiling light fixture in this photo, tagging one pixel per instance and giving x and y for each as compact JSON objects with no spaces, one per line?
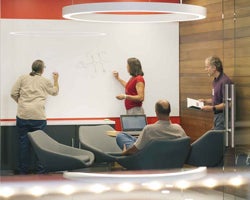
{"x":133,"y":12}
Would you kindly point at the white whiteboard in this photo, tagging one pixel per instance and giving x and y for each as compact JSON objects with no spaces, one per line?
{"x":85,"y":54}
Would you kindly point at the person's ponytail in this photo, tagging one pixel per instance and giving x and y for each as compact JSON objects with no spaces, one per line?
{"x":33,"y":73}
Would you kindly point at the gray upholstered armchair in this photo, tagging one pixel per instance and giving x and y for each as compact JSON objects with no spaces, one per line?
{"x":58,"y":157}
{"x":158,"y":154}
{"x":208,"y":150}
{"x":96,"y":140}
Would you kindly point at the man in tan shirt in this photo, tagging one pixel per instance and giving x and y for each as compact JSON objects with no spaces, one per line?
{"x":162,"y":129}
{"x":30,"y":92}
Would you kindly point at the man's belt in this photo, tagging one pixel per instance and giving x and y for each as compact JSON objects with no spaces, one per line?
{"x":218,"y":111}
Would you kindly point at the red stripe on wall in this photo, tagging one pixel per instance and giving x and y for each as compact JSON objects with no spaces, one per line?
{"x":150,"y":120}
{"x":46,"y":9}
{"x":33,"y":9}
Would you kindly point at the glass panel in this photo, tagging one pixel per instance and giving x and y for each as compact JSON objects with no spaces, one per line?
{"x":228,"y":62}
{"x":236,"y":28}
{"x":241,"y":78}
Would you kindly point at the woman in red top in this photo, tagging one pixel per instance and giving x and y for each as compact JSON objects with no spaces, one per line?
{"x":134,"y":88}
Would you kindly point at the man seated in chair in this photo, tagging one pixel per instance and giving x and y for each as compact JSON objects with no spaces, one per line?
{"x":162,"y":129}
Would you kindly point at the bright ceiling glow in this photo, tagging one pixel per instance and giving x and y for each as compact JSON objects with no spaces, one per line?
{"x":7,"y":192}
{"x":98,"y":188}
{"x":67,"y":189}
{"x":210,"y":183}
{"x":126,"y":187}
{"x":134,"y":12}
{"x":37,"y":191}
{"x":155,"y":185}
{"x":236,"y":181}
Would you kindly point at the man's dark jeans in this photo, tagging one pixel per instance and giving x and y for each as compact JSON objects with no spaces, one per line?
{"x":23,"y":127}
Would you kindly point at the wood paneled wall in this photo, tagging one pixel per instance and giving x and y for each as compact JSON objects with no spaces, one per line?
{"x":223,"y":34}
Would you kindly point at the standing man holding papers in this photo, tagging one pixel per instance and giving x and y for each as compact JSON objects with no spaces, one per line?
{"x":214,"y":68}
{"x":30,"y":93}
{"x":134,"y":88}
